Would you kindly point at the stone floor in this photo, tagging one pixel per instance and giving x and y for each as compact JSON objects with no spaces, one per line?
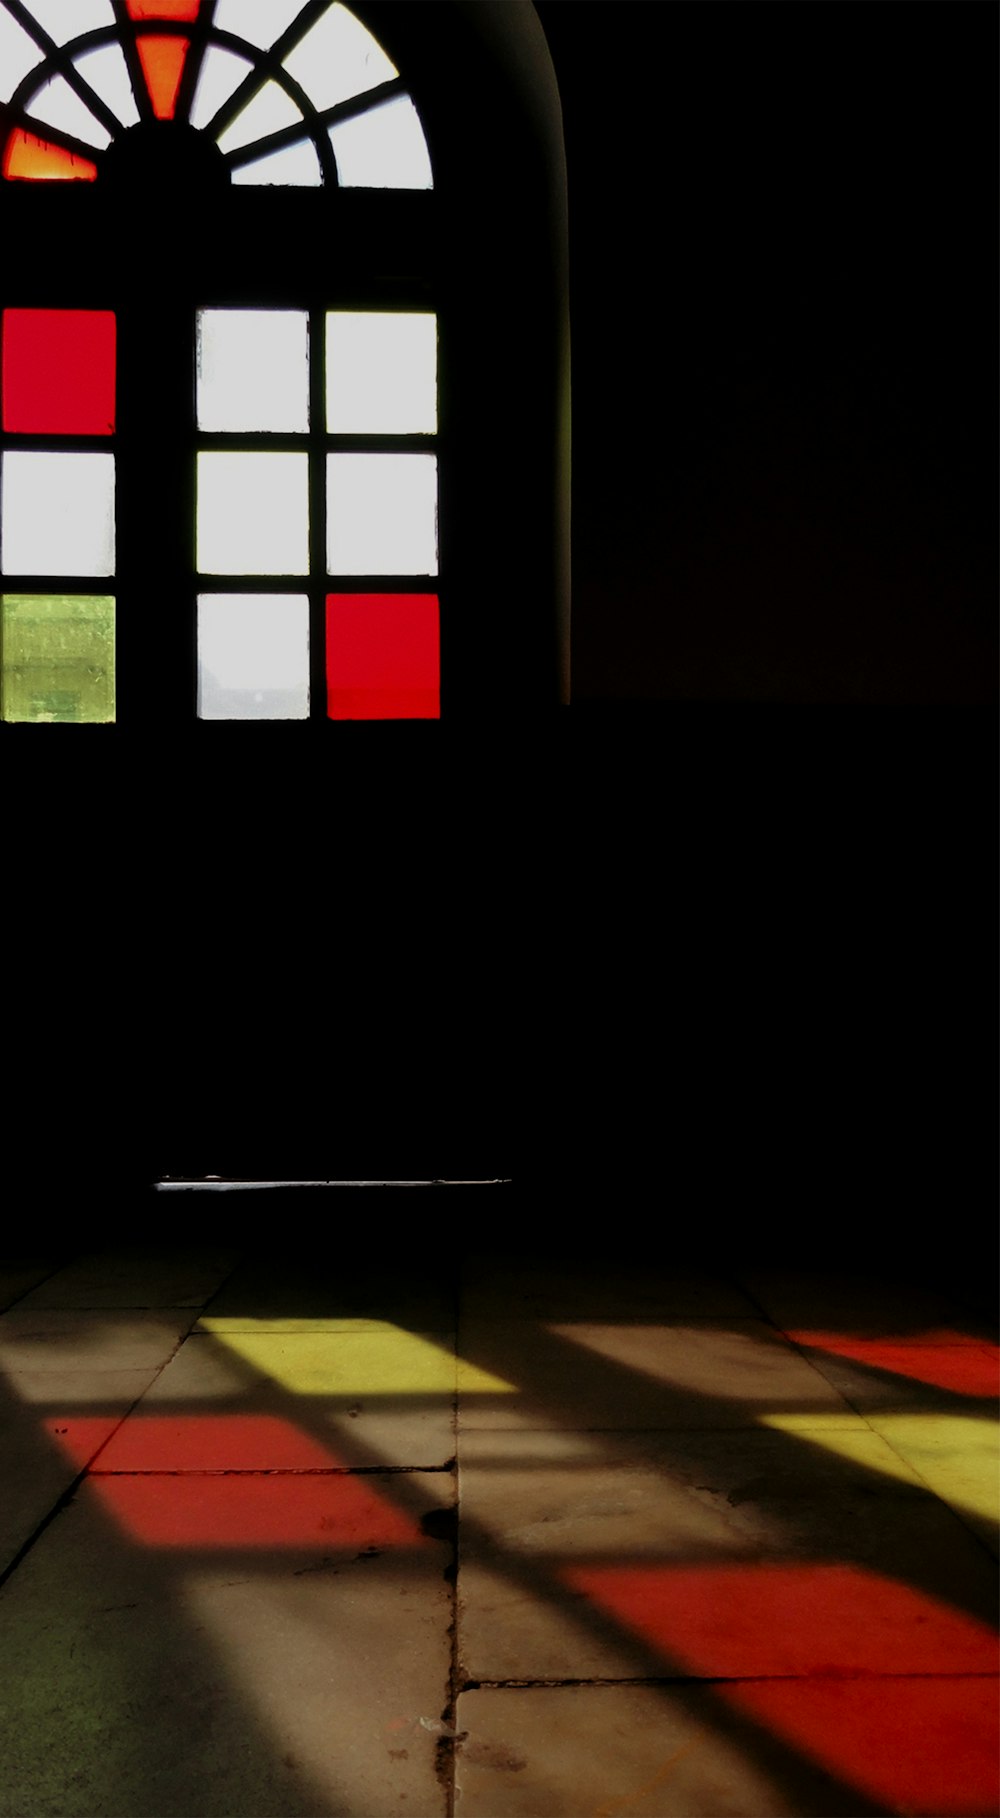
{"x":297,"y":1539}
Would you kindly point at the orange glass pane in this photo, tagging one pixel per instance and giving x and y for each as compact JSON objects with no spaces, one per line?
{"x":163,"y":9}
{"x":27,"y":157}
{"x":162,"y":62}
{"x":383,"y":656}
{"x":58,"y":372}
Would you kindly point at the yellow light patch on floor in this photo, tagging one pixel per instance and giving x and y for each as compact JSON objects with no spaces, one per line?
{"x":957,"y":1455}
{"x":358,"y":1359}
{"x":819,"y":1421}
{"x":863,"y":1447}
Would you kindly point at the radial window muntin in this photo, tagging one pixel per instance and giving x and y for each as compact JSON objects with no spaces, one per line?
{"x":317,"y":126}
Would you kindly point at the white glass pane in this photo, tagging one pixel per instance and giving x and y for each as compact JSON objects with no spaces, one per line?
{"x":259,"y":21}
{"x":337,"y":59}
{"x":253,"y":656}
{"x":294,"y":166}
{"x":222,"y":71}
{"x":106,"y":71}
{"x":57,"y":105}
{"x":268,"y":112}
{"x":383,"y":149}
{"x":381,"y":373}
{"x":66,"y":19}
{"x":57,"y":513}
{"x":18,"y":54}
{"x":253,"y":369}
{"x":253,"y":513}
{"x":381,"y":514}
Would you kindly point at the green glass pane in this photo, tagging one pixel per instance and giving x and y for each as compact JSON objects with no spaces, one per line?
{"x":58,"y":657}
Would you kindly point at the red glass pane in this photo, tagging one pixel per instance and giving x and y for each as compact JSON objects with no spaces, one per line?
{"x":26,"y":157}
{"x":163,"y":9}
{"x":162,"y":62}
{"x":383,"y":656}
{"x":58,"y":372}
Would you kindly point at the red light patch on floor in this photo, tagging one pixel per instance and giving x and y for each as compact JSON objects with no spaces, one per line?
{"x":28,"y":158}
{"x":242,"y":1512}
{"x":80,"y":1436}
{"x":925,"y":1747}
{"x":942,"y":1359}
{"x":736,"y":1621}
{"x":214,"y":1442}
{"x":59,"y":372}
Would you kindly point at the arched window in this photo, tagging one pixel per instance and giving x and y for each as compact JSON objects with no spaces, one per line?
{"x":257,"y":460}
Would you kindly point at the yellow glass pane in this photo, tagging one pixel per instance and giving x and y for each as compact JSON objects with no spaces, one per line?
{"x":58,"y":658}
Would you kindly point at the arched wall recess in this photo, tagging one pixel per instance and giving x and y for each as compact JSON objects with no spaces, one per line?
{"x":192,"y":208}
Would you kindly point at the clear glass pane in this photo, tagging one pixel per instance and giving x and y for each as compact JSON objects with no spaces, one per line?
{"x":57,"y":105}
{"x":253,"y":656}
{"x":57,"y":513}
{"x":222,"y":71}
{"x":63,"y":22}
{"x":383,"y":656}
{"x":106,"y":71}
{"x":268,"y":112}
{"x":294,"y":166}
{"x":338,"y":58}
{"x":260,"y":21}
{"x":381,"y":514}
{"x":58,"y":657}
{"x":253,"y":369}
{"x":381,"y":372}
{"x":383,"y":149}
{"x":18,"y":54}
{"x":253,"y":513}
{"x":58,"y":372}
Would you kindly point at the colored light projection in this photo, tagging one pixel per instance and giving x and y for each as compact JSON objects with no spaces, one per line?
{"x":327,"y":60}
{"x":942,"y":1357}
{"x":872,"y":1679}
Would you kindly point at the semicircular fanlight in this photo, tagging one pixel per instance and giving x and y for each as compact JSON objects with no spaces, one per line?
{"x":290,"y":97}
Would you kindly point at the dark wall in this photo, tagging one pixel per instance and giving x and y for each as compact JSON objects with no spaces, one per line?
{"x":783,"y":309}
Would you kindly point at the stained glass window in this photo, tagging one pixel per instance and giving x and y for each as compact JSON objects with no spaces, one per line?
{"x":311,"y":511}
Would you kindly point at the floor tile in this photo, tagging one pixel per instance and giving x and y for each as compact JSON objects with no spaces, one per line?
{"x":144,"y":1679}
{"x":638,"y":1375}
{"x":208,"y":1374}
{"x":135,"y":1278}
{"x":61,"y":1339}
{"x":629,"y":1752}
{"x":46,"y":1439}
{"x":321,"y":1289}
{"x":562,"y":1561}
{"x":858,"y":1302}
{"x":495,"y":1288}
{"x":17,"y":1278}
